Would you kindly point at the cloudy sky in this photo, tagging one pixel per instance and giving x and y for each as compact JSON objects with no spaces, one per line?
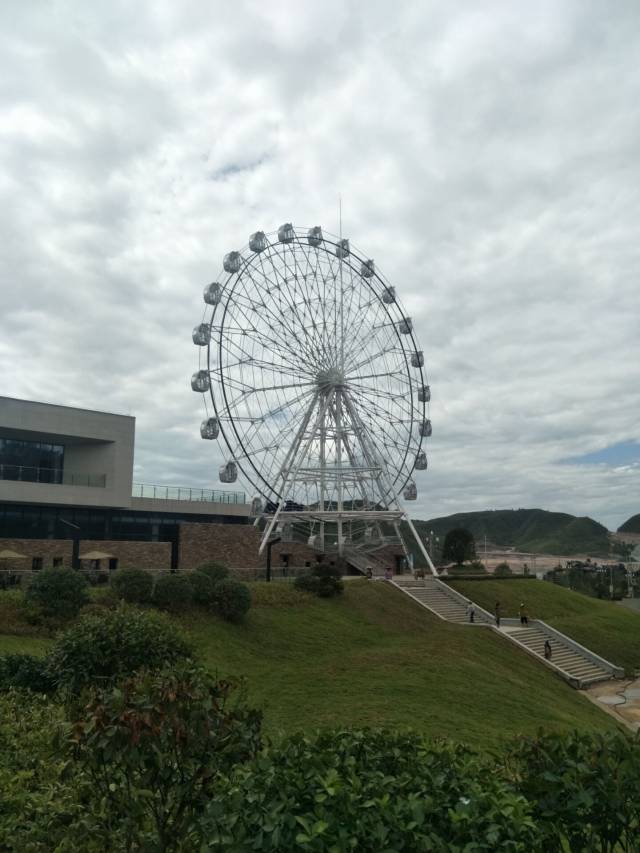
{"x":488,"y":157}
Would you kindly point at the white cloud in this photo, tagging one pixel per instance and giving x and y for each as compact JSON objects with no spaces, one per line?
{"x":487,"y":159}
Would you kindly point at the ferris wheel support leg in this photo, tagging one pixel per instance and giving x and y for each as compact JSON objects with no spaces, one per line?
{"x":421,"y":545}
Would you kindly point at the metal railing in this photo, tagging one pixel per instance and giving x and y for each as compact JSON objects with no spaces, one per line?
{"x":186,"y":493}
{"x":51,"y":476}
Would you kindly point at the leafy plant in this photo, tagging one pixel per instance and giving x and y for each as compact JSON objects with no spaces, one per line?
{"x":57,"y":593}
{"x":154,"y":748}
{"x":502,"y":570}
{"x":367,"y":791}
{"x":322,"y":580}
{"x":583,"y":788}
{"x":133,"y":585}
{"x":172,"y":592}
{"x":214,"y":571}
{"x":231,"y":599}
{"x":25,"y":672}
{"x":201,"y":587}
{"x":105,"y":647}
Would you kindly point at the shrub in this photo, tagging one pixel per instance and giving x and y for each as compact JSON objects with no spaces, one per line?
{"x":583,"y":788}
{"x":231,"y":599}
{"x":39,"y":789}
{"x":118,"y":643}
{"x":25,"y":672}
{"x":154,"y":748}
{"x":369,"y":791}
{"x":57,"y":593}
{"x":323,"y":580}
{"x":172,"y":592}
{"x":503,"y":570}
{"x":133,"y":585}
{"x":477,"y":566}
{"x":215,"y":571}
{"x":201,"y":587}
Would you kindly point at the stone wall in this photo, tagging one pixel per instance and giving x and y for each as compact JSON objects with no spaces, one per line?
{"x":153,"y":556}
{"x":235,"y":545}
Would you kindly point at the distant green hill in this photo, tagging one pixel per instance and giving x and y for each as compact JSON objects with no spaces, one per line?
{"x":526,"y":530}
{"x":631,"y":525}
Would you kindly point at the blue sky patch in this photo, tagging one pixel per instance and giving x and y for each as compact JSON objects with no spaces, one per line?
{"x":623,"y":453}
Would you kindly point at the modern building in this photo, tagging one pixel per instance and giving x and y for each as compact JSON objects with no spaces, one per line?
{"x":66,"y":490}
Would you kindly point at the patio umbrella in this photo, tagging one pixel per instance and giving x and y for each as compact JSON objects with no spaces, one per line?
{"x":8,"y":554}
{"x":96,"y":555}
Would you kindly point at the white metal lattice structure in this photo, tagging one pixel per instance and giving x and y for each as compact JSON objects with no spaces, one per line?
{"x":313,"y":379}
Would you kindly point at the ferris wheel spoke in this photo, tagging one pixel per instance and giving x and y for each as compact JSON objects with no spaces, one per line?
{"x":278,"y":281}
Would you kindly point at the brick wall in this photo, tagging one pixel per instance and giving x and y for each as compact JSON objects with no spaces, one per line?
{"x":154,"y":556}
{"x":236,"y":545}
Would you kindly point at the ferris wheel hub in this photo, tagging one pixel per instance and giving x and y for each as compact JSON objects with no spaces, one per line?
{"x":328,"y":380}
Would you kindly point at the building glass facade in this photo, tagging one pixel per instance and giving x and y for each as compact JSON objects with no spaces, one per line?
{"x":31,"y":461}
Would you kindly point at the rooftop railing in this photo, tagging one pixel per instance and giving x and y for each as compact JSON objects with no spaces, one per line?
{"x":186,"y":493}
{"x":51,"y":476}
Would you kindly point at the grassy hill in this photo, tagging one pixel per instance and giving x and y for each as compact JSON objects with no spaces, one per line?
{"x":527,"y":530}
{"x":606,"y":628}
{"x":374,"y":657}
{"x":631,"y":525}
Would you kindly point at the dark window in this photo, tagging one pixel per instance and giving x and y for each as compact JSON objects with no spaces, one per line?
{"x":31,"y":461}
{"x":284,"y":559}
{"x":113,"y":564}
{"x":57,"y":562}
{"x":36,"y":564}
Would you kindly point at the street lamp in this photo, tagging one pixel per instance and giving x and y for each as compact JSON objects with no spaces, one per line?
{"x":270,"y":544}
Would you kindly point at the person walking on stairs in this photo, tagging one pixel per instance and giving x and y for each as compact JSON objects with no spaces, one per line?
{"x":547,"y":650}
{"x":498,"y":613}
{"x":471,"y":612}
{"x":524,"y":619}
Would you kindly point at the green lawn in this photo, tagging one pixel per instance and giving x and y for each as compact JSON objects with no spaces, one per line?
{"x":374,"y":657}
{"x":606,"y":628}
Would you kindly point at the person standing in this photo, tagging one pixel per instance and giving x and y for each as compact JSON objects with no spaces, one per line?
{"x":547,"y":650}
{"x":498,"y":613}
{"x":524,"y":619}
{"x":471,"y":612}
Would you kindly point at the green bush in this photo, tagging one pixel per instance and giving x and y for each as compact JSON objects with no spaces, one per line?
{"x":367,"y":791}
{"x":101,"y":648}
{"x":231,"y":599}
{"x":503,"y":570}
{"x":172,"y":592}
{"x":57,"y":593}
{"x":155,"y":747}
{"x":215,"y":571}
{"x":201,"y":588}
{"x":133,"y":585}
{"x":322,"y":580}
{"x":25,"y":672}
{"x":583,"y":788}
{"x":39,"y":790}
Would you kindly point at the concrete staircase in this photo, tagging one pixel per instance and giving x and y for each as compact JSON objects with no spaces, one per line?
{"x":441,"y":599}
{"x":575,"y":663}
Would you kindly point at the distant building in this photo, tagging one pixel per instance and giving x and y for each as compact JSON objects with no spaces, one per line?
{"x":66,"y":475}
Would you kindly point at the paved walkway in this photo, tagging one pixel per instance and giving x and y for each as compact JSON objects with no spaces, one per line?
{"x":620,"y":699}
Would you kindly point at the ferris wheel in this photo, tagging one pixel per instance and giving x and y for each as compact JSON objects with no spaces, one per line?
{"x":314,"y":381}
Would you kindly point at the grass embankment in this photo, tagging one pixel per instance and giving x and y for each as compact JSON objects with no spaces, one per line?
{"x":374,"y":658}
{"x":607,"y":629}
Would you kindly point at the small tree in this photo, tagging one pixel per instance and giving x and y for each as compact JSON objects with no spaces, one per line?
{"x":215,"y":571}
{"x":459,"y":545}
{"x":133,"y":585}
{"x":172,"y":592}
{"x":57,"y":593}
{"x":102,"y":648}
{"x":322,"y":580}
{"x":201,"y":588}
{"x":503,"y":570}
{"x":231,"y":599}
{"x":154,"y":748}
